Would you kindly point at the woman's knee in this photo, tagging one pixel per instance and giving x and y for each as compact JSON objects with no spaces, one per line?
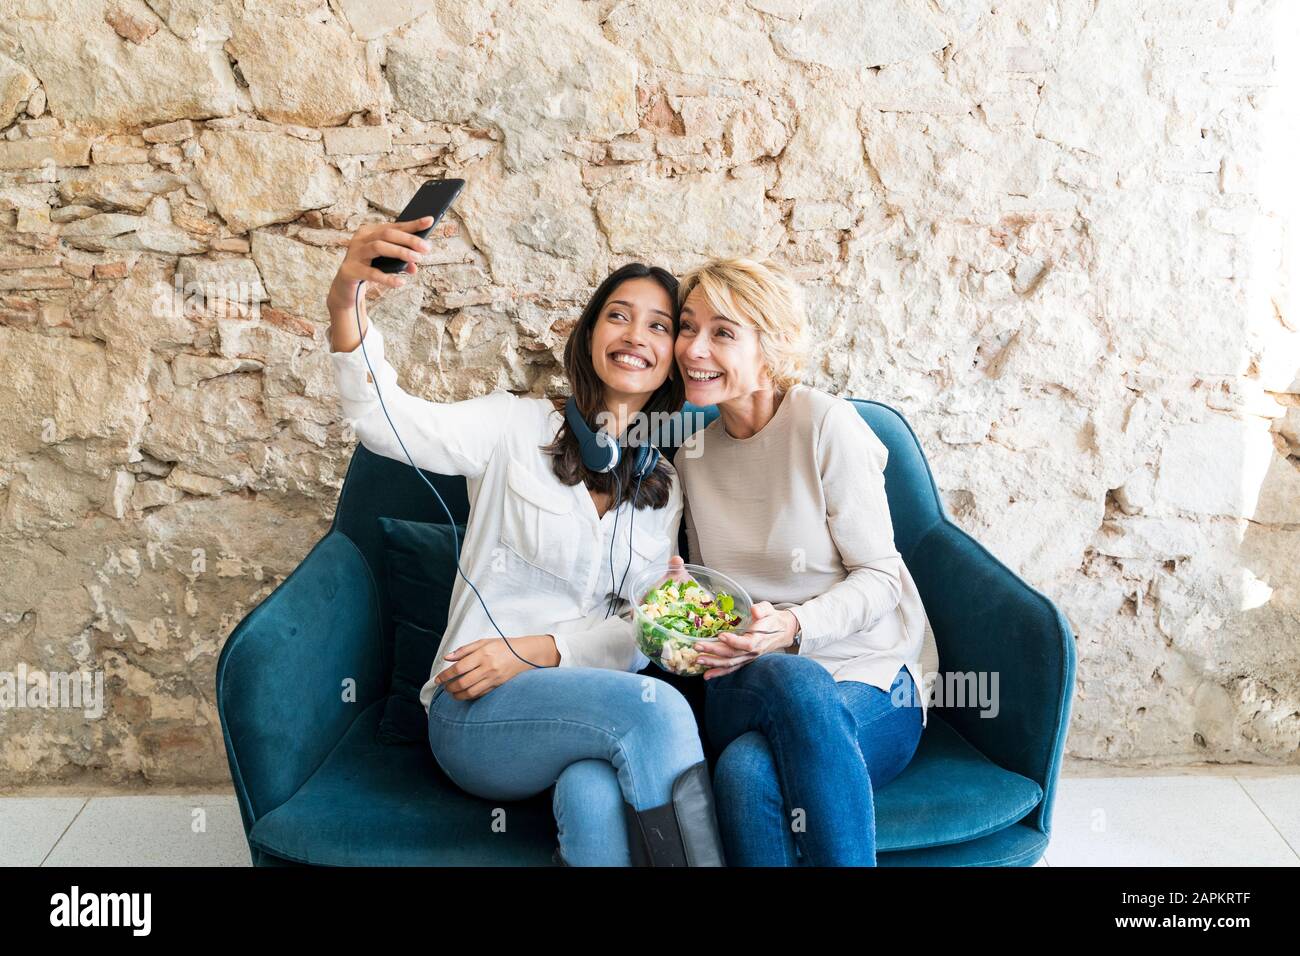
{"x":787,"y":681}
{"x":783,"y":668}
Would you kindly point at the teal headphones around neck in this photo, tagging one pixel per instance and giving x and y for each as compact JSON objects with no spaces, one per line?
{"x":602,"y":453}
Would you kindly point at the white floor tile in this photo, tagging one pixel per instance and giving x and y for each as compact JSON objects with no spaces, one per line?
{"x":30,"y":826}
{"x":1279,"y":799}
{"x":1162,"y":821}
{"x":155,"y":831}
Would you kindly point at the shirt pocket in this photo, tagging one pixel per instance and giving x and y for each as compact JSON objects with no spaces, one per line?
{"x":538,"y":529}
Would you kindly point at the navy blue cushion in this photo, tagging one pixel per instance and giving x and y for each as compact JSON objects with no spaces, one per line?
{"x":421,"y":564}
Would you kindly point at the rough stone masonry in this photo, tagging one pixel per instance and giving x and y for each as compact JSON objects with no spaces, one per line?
{"x":1056,"y":234}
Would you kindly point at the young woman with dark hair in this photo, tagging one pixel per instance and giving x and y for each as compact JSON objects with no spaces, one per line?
{"x":550,"y":546}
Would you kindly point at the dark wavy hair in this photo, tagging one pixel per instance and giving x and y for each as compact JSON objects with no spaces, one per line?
{"x":589,"y":392}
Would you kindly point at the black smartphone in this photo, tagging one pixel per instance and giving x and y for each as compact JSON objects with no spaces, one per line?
{"x":431,"y":199}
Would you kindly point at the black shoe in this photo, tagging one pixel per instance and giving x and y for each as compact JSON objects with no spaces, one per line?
{"x":682,"y":832}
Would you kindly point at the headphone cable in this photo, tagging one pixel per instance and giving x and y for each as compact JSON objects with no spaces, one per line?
{"x":631,"y":526}
{"x":613,"y":536}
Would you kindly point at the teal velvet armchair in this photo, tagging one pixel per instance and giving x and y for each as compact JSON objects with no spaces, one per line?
{"x":315,"y":787}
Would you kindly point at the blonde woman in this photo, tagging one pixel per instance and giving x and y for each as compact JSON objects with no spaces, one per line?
{"x":785,"y":493}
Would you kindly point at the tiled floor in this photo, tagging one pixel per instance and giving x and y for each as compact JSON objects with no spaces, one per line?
{"x":1250,"y":818}
{"x":174,"y":830}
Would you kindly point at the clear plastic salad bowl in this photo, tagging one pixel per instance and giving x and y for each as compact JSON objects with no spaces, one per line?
{"x":672,"y":616}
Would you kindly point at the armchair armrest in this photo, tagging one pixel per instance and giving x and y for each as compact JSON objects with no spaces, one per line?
{"x":987,"y":621}
{"x":281,"y":692}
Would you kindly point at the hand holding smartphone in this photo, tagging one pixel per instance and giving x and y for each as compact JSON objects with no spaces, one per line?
{"x":381,"y":253}
{"x":433,"y":200}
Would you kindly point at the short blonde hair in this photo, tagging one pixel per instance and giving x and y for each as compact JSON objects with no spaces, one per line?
{"x":761,"y":296}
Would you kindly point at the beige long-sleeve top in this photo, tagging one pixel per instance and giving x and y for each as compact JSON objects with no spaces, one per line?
{"x":797,"y":515}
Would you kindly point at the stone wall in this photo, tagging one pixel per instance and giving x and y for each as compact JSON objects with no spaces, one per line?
{"x":1054,"y":234}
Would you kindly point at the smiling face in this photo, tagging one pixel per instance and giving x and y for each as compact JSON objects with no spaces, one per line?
{"x":632,"y":341}
{"x":719,"y":358}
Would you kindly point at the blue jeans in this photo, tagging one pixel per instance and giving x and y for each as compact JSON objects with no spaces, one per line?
{"x":601,"y":737}
{"x":800,"y":755}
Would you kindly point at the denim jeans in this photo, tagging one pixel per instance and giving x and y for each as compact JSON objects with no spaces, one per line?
{"x":800,"y":756}
{"x":601,"y":737}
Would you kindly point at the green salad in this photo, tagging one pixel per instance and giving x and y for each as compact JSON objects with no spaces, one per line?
{"x":675,"y":615}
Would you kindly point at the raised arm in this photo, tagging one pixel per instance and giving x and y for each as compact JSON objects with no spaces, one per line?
{"x":455,"y":438}
{"x":852,"y":463}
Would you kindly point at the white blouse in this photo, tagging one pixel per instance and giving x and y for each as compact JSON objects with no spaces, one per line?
{"x":535,"y":548}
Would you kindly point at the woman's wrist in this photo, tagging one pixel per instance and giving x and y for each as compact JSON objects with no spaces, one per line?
{"x":342,"y":304}
{"x":793,"y":632}
{"x":341,"y":295}
{"x":549,"y":651}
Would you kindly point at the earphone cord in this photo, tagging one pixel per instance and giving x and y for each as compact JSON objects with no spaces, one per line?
{"x":632,"y":526}
{"x":613,"y":535}
{"x":450,"y":519}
